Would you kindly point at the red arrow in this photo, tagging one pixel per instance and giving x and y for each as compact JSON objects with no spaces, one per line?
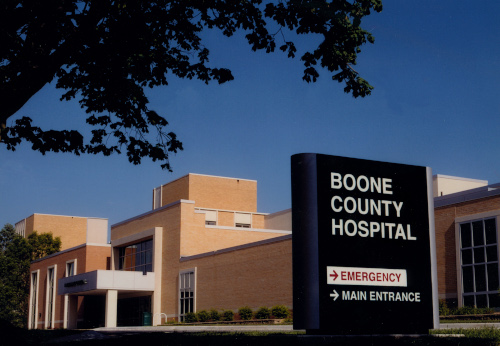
{"x":334,"y":275}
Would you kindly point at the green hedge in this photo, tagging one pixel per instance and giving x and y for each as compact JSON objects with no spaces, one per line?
{"x":280,"y":311}
{"x":263,"y":313}
{"x":245,"y":313}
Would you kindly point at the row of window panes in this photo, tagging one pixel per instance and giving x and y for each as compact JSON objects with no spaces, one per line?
{"x":186,"y":280}
{"x":186,"y":301}
{"x":480,"y":278}
{"x":474,"y":234}
{"x":211,"y":218}
{"x":479,"y":258}
{"x":482,"y":300}
{"x":137,"y":257}
{"x":480,"y":254}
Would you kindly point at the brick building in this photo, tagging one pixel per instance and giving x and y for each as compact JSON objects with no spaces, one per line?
{"x":47,"y":309}
{"x":467,"y":232}
{"x":204,"y":245}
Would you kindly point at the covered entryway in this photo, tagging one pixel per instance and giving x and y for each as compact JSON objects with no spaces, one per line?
{"x":114,"y":297}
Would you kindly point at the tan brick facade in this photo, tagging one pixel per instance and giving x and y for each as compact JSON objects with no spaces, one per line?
{"x":255,"y":271}
{"x":446,"y":226}
{"x":186,"y":234}
{"x":232,"y":266}
{"x":72,"y":230}
{"x":254,"y":276}
{"x":213,"y":192}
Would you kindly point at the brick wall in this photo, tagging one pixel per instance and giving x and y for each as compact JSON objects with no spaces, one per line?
{"x":196,"y":238}
{"x":71,"y":229}
{"x":446,"y":241}
{"x":223,"y":193}
{"x":174,"y":191}
{"x":255,"y":276}
{"x":86,"y":260}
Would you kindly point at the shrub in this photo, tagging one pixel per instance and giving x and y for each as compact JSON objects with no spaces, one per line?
{"x":190,"y":317}
{"x":227,"y":315}
{"x":280,"y":311}
{"x":214,"y":315}
{"x":471,"y":310}
{"x":245,"y":313}
{"x":203,"y":315}
{"x":443,"y":308}
{"x":263,"y":313}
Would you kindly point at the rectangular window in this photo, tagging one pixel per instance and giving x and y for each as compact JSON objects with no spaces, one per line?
{"x":51,"y":295}
{"x":71,"y":268}
{"x":210,"y":217}
{"x":243,"y":220}
{"x":33,"y":301}
{"x":479,"y":263}
{"x":186,"y":293}
{"x":137,"y":257}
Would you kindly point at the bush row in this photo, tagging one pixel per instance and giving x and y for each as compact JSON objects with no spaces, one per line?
{"x":444,"y":310}
{"x":245,"y":313}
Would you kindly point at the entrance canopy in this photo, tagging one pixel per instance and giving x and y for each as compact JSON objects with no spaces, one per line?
{"x":100,"y":281}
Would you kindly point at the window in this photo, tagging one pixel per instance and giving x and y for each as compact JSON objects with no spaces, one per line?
{"x":186,"y":293}
{"x":71,"y":268}
{"x":70,"y":271}
{"x":51,"y":294}
{"x":33,"y":300}
{"x":243,"y":220}
{"x":210,"y":217}
{"x":479,"y":263}
{"x":137,"y":257}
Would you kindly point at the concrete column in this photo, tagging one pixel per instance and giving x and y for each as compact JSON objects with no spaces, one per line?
{"x":111,"y":308}
{"x":158,"y":270}
{"x":66,"y":311}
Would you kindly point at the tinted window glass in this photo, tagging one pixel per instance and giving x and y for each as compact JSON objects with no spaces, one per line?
{"x":465,"y":235}
{"x":490,"y":230}
{"x":477,"y":233}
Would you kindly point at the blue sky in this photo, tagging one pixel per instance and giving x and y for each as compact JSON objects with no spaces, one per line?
{"x":435,"y":66}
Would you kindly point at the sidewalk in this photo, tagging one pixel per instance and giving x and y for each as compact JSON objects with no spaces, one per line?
{"x":256,"y":328}
{"x":278,"y":328}
{"x":468,"y":325}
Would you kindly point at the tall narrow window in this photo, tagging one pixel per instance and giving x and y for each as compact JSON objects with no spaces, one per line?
{"x":70,"y":271}
{"x":186,"y":293}
{"x":71,"y":268}
{"x":33,"y":300}
{"x":51,"y":289}
{"x":479,"y":263}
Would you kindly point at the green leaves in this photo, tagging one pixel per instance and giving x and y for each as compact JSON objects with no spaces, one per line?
{"x":16,"y":254}
{"x":105,"y":53}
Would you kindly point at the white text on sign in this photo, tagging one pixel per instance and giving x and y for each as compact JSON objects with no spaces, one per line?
{"x":366,"y":276}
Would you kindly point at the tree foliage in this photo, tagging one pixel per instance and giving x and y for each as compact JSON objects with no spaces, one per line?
{"x":16,"y":254}
{"x":43,"y":244}
{"x":105,"y":53}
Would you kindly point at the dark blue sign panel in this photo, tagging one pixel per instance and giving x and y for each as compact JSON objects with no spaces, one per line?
{"x":363,"y":246}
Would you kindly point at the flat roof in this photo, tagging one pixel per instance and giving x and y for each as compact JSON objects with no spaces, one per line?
{"x":467,"y":195}
{"x":460,"y":178}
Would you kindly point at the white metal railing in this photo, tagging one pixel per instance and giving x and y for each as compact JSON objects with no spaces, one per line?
{"x":159,"y":313}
